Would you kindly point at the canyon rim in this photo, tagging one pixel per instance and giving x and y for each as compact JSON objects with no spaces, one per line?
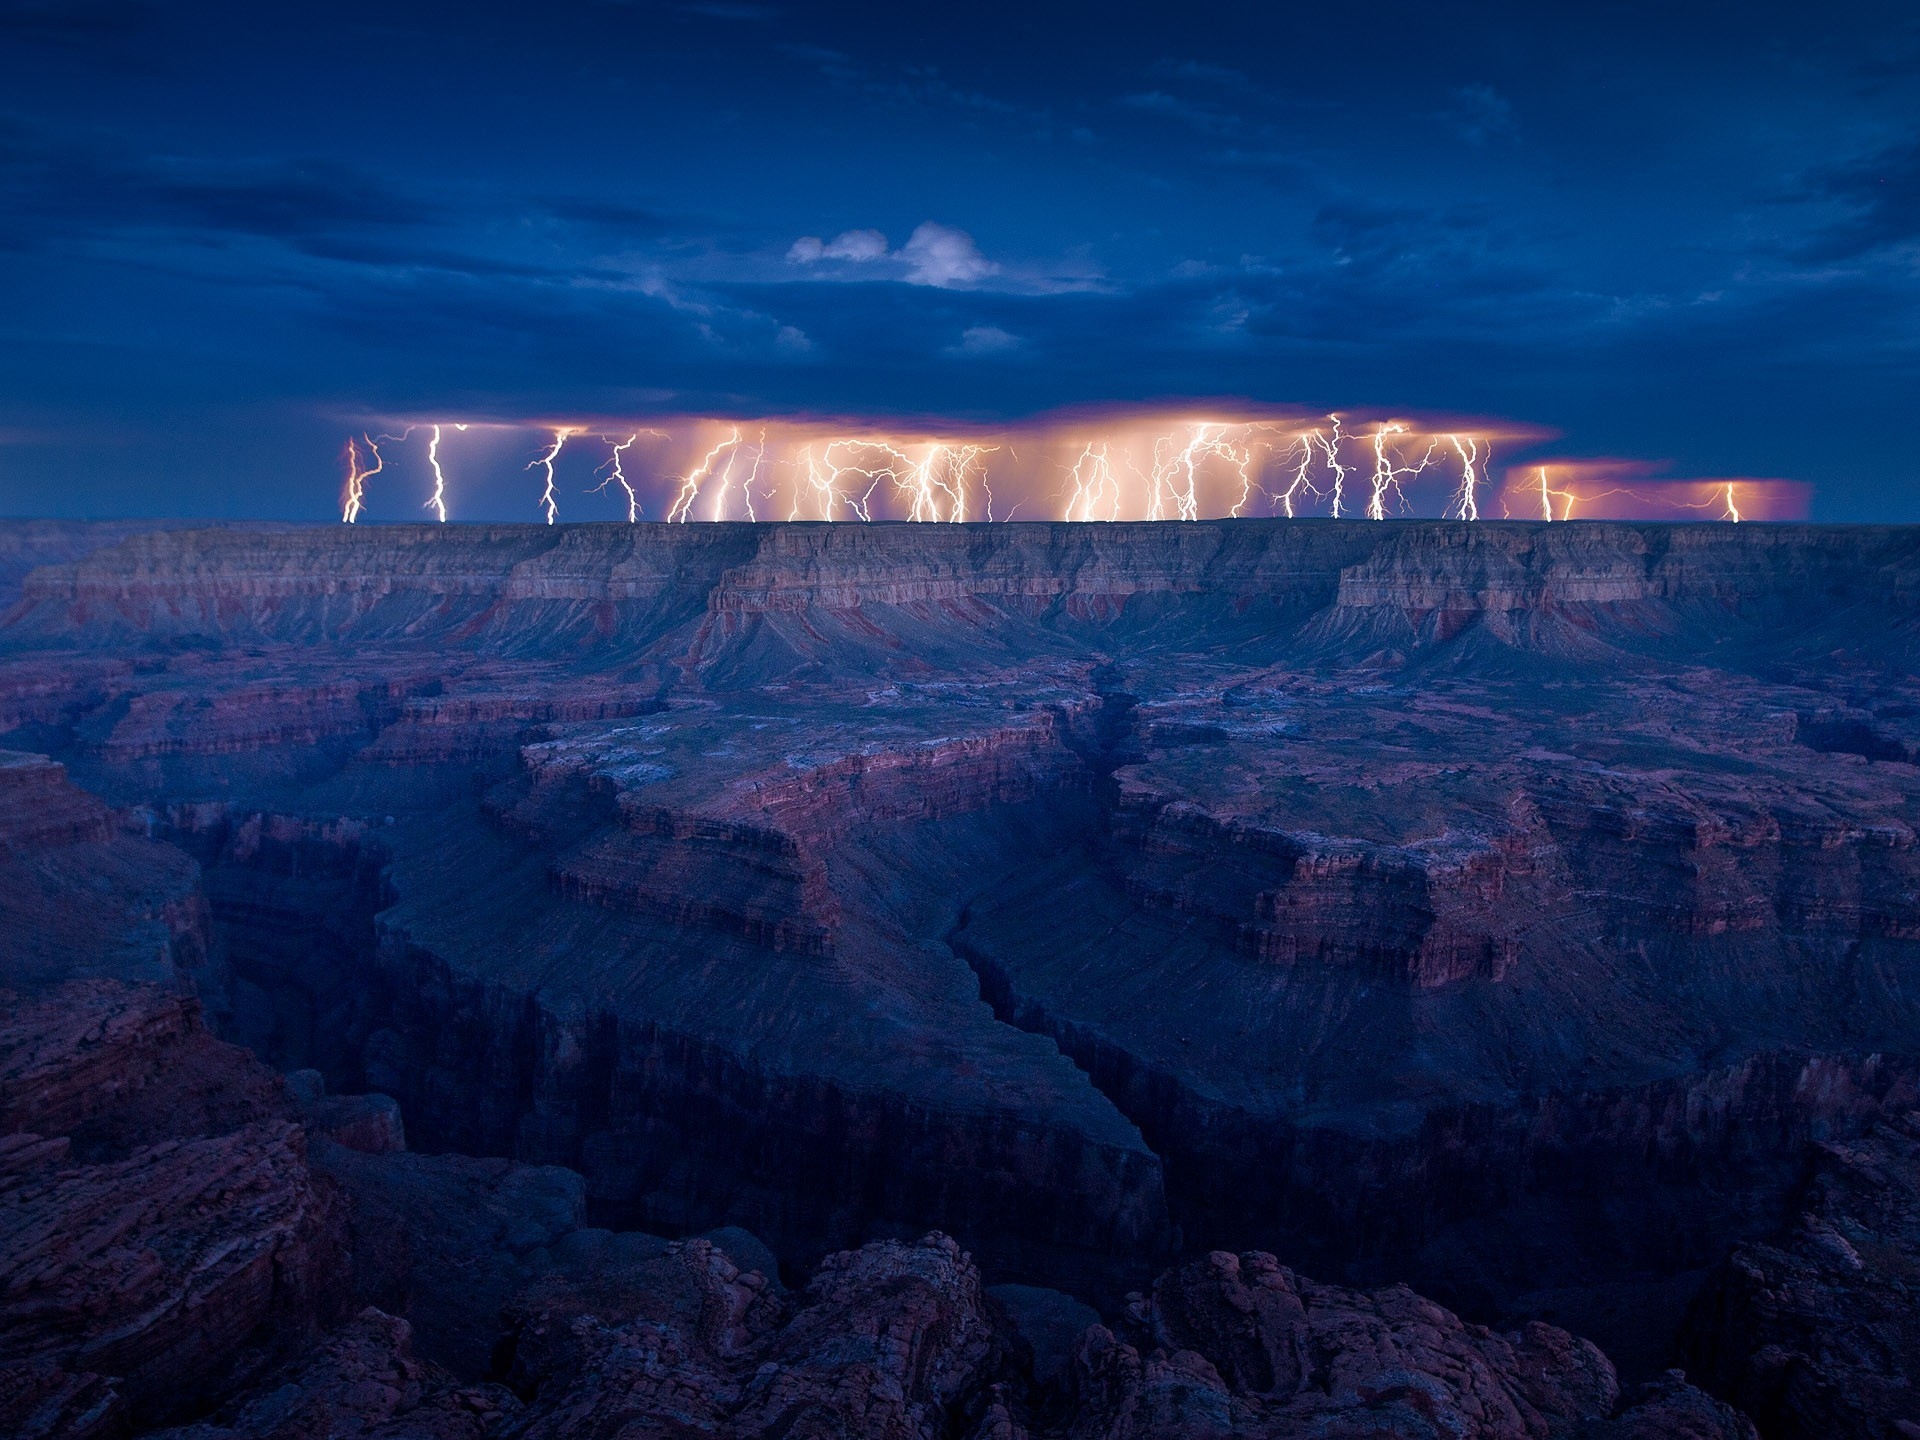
{"x":959,"y":980}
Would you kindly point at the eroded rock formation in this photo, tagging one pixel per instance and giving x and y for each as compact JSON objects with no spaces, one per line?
{"x":1818,"y":1333}
{"x":214,"y":1279}
{"x":161,"y":1236}
{"x":1501,"y":909}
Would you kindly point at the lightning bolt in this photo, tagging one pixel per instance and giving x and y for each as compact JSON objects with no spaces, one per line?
{"x":437,"y":502}
{"x":861,"y":506}
{"x":1242,"y":460}
{"x":354,"y":501}
{"x":1721,"y":496}
{"x":1466,"y":500}
{"x":1330,"y":446}
{"x":1300,"y":485}
{"x":1387,"y":476}
{"x":682,"y":507}
{"x":1567,"y":498}
{"x":759,"y":458}
{"x":937,"y":482}
{"x":1154,"y":469}
{"x":726,"y":477}
{"x":1096,"y":492}
{"x":617,"y":475}
{"x":821,"y":478}
{"x":1176,"y":469}
{"x":837,"y":470}
{"x":548,"y":500}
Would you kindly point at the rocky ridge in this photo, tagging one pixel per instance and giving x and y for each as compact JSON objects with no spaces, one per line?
{"x":1413,"y":902}
{"x":214,"y":1279}
{"x":1814,"y":1334}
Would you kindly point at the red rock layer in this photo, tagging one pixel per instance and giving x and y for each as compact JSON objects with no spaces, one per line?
{"x":120,"y":1065}
{"x":158,"y":1268}
{"x":158,"y":1222}
{"x":38,"y":808}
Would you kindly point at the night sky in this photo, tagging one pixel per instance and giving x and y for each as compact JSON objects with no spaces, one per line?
{"x":229,"y":235}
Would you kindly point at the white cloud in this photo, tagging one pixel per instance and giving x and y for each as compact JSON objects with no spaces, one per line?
{"x":934,"y":254}
{"x":985,"y":340}
{"x":856,"y":245}
{"x":938,"y":254}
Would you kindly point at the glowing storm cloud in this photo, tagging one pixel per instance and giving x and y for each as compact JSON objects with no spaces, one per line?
{"x":1110,"y":466}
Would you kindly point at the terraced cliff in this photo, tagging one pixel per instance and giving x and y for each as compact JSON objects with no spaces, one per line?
{"x":1501,"y":909}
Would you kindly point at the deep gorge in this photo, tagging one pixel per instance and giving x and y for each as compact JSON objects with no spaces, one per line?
{"x":1512,"y":914}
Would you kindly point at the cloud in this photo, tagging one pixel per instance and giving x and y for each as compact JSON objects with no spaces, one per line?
{"x":859,"y":246}
{"x":53,"y":187}
{"x":986,"y":340}
{"x":1882,"y":191}
{"x":1158,"y":102}
{"x":836,"y":65}
{"x":1481,"y":114}
{"x":938,"y":254}
{"x":934,"y":254}
{"x":615,"y":215}
{"x":293,"y":199}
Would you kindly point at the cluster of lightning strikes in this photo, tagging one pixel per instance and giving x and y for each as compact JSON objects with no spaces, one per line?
{"x":733,"y":461}
{"x":928,"y":480}
{"x":1721,"y":500}
{"x":1136,"y":469}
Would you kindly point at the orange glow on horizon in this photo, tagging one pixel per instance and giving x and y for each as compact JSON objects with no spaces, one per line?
{"x":1623,"y":490}
{"x":1110,"y":464}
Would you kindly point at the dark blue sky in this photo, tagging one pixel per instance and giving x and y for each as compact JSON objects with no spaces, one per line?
{"x":227,"y":233}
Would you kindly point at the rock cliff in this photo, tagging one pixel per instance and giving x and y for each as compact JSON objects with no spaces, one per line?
{"x":1815,"y":1332}
{"x":1497,"y":909}
{"x":215,"y":1286}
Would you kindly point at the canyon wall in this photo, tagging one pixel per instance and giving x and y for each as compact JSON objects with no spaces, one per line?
{"x":1415,"y":900}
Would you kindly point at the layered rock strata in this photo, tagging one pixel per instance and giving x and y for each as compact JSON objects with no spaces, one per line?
{"x":85,"y":892}
{"x":207,"y":1280}
{"x":1422,"y":901}
{"x":163,"y":1237}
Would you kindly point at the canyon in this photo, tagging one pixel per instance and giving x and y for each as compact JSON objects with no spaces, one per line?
{"x":1513,"y":927}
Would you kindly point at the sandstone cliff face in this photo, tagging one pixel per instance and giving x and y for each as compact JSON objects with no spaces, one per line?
{"x":83,"y":894}
{"x":181,"y":1298}
{"x":600,"y":580}
{"x":363,"y":1380}
{"x":114,"y":1066}
{"x":38,"y":808}
{"x":1422,"y":901}
{"x":162,"y":1234}
{"x":1242,"y":1346}
{"x":29,"y":545}
{"x":1816,"y":1333}
{"x":205,"y":1276}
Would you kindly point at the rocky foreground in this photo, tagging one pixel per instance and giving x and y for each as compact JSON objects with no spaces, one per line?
{"x":1520,"y":913}
{"x":198,"y":1248}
